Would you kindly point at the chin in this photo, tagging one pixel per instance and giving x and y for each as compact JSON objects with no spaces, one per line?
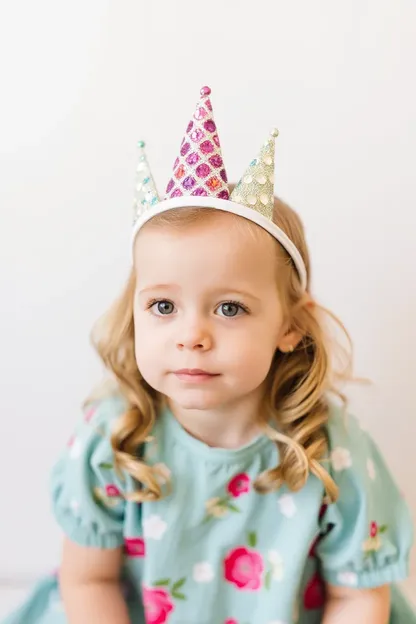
{"x":197,"y":400}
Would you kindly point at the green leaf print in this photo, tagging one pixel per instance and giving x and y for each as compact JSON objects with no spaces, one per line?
{"x":252,"y":539}
{"x":268,"y":579}
{"x":161,"y":583}
{"x":178,"y":584}
{"x":383,"y":528}
{"x":106,"y":466}
{"x":233,"y":508}
{"x":178,"y":595}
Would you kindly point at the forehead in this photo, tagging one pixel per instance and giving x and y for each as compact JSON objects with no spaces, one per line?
{"x":222,"y":248}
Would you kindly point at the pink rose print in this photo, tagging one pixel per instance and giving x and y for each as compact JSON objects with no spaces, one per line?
{"x":374,"y":542}
{"x":314,"y":597}
{"x":112,"y":490}
{"x":240,"y":484}
{"x":231,"y":621}
{"x":157,"y":605}
{"x":134,"y":547}
{"x":244,"y":568}
{"x":89,"y":414}
{"x":373,"y":529}
{"x":312,"y":550}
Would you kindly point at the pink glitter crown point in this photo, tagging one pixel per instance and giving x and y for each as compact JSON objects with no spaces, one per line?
{"x":199,"y":167}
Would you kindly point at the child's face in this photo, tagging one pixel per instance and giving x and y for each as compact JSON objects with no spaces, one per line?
{"x":206,"y":299}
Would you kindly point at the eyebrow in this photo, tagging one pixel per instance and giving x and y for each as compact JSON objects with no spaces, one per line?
{"x":217,"y":291}
{"x":157,"y":287}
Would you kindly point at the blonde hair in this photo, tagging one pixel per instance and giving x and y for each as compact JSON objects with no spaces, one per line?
{"x":298,"y":382}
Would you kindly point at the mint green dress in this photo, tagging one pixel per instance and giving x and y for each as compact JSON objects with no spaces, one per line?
{"x":216,"y":552}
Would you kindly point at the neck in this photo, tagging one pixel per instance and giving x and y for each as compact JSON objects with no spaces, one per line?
{"x":226,"y":426}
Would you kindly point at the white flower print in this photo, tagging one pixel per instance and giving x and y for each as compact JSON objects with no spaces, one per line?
{"x":215,"y":508}
{"x":154,"y":527}
{"x":203,"y":572}
{"x":74,"y":506}
{"x":163,"y":472}
{"x":371,"y":469}
{"x":75,"y":449}
{"x":348,"y":578}
{"x":276,"y":561}
{"x":287,"y":505}
{"x":341,"y":458}
{"x":108,"y":501}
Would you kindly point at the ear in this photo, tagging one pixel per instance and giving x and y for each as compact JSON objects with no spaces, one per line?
{"x":289,"y":341}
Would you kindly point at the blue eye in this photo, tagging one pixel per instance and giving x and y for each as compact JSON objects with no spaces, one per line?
{"x":230,"y":309}
{"x":163,"y":307}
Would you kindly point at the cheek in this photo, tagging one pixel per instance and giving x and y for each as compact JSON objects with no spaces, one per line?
{"x":147,"y":350}
{"x":251,"y":352}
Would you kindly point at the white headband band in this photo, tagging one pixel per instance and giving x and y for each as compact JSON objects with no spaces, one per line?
{"x":226,"y":205}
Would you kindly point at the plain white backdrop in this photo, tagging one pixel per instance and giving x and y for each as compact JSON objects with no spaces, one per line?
{"x":81,"y":82}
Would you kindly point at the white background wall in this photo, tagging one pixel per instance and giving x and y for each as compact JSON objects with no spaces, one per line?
{"x":81,"y":81}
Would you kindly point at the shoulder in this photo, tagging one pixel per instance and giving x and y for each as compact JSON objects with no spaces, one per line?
{"x":343,"y":427}
{"x":349,"y":446}
{"x":94,"y":426}
{"x":104,"y":411}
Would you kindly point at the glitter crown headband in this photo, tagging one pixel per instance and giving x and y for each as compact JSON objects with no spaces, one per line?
{"x":199,"y":180}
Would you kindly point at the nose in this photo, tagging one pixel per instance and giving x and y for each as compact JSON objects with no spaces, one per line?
{"x":195,"y":338}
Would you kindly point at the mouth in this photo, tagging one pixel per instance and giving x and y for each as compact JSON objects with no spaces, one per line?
{"x":194,"y":375}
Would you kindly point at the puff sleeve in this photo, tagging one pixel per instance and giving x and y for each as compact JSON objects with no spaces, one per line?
{"x":368,"y":532}
{"x":87,"y":493}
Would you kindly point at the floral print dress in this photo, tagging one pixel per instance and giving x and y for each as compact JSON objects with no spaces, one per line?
{"x":214,"y":551}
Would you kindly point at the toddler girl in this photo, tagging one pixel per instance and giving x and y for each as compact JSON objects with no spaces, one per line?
{"x":218,"y":482}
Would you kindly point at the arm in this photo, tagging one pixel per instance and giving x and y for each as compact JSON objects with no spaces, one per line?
{"x":89,"y":581}
{"x":361,"y":606}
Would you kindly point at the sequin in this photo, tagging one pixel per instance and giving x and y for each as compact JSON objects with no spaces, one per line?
{"x":180,"y":172}
{"x":210,"y":126}
{"x":170,"y":186}
{"x":206,"y":147}
{"x":261,"y":179}
{"x":252,"y":200}
{"x":139,"y":187}
{"x":176,"y":163}
{"x":185,"y":149}
{"x":267,"y":160}
{"x":237,"y":198}
{"x":192,"y":159}
{"x":213,"y":183}
{"x":189,"y":182}
{"x":264,"y":199}
{"x":216,"y":161}
{"x":141,"y":166}
{"x":177,"y":193}
{"x":224,"y":194}
{"x":146,"y":180}
{"x":200,"y":113}
{"x":248,"y":179}
{"x":197,"y":135}
{"x":203,"y":170}
{"x":199,"y":191}
{"x":200,"y":155}
{"x":271,"y":178}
